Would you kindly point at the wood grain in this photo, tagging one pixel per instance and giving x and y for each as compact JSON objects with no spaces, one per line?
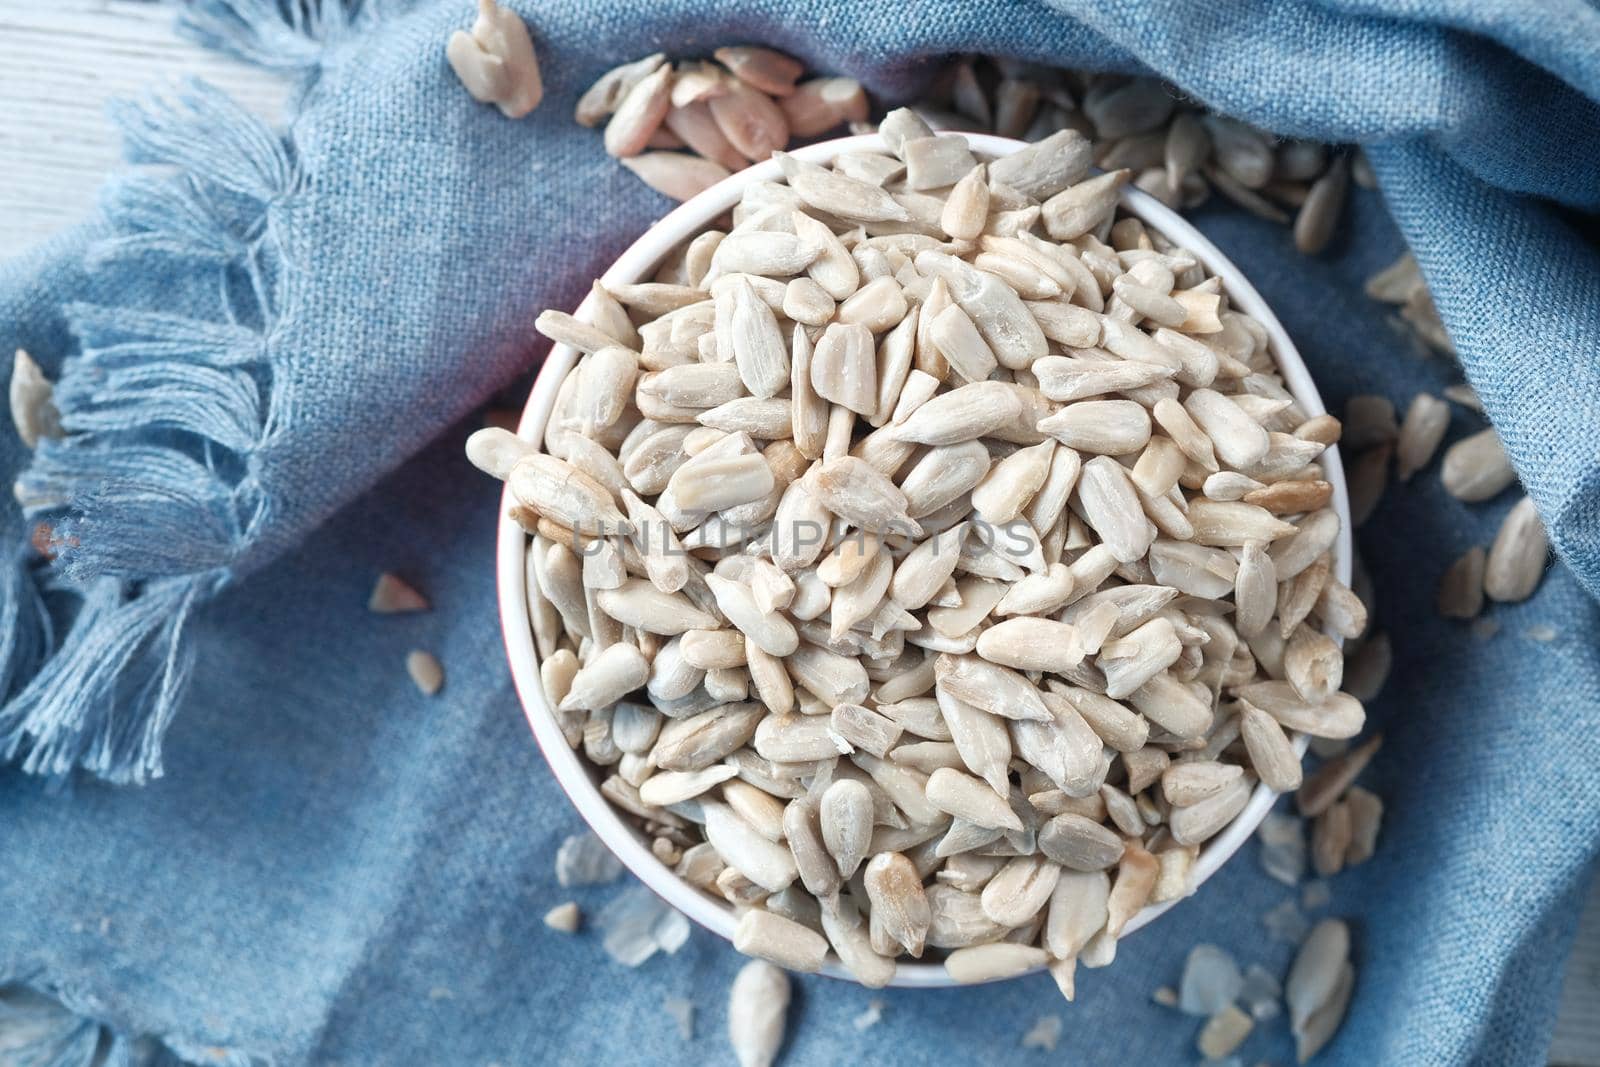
{"x":62,"y":61}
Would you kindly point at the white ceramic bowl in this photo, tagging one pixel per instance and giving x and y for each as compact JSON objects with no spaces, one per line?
{"x":576,"y":778}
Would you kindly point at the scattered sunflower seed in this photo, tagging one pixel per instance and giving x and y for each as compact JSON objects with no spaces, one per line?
{"x":1476,"y":468}
{"x":563,"y":917}
{"x":1261,"y":993}
{"x":496,"y":61}
{"x":1224,"y":1032}
{"x":1424,"y":427}
{"x":758,"y":1004}
{"x":1461,"y":588}
{"x":33,"y":412}
{"x":1517,"y":558}
{"x":392,"y":596}
{"x":426,"y":672}
{"x":1319,"y":984}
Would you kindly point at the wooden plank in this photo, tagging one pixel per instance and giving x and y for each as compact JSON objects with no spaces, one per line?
{"x":61,"y":63}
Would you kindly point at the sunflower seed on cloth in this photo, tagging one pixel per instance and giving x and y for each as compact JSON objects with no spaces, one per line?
{"x":1366,"y":818}
{"x":496,"y":61}
{"x":898,"y":520}
{"x":682,"y":1013}
{"x":1044,"y":1033}
{"x":1476,"y":467}
{"x":1319,"y":215}
{"x":1329,"y":782}
{"x":33,"y":412}
{"x":1224,"y":1032}
{"x":1283,"y":848}
{"x":563,"y":918}
{"x":758,"y":1006}
{"x":393,"y":596}
{"x":1517,"y":558}
{"x":1461,"y":588}
{"x":1318,"y":987}
{"x":427,"y":674}
{"x":602,"y":98}
{"x":1424,"y":428}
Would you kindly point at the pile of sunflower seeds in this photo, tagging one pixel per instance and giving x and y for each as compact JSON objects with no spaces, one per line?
{"x":934,"y":559}
{"x":682,"y":127}
{"x":751,"y":102}
{"x":1178,"y":152}
{"x":1475,"y":469}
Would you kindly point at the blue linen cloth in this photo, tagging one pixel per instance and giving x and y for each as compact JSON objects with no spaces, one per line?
{"x":269,"y":360}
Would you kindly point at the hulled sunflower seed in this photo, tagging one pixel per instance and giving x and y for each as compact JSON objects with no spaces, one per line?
{"x":1476,"y":468}
{"x":675,"y":175}
{"x":426,"y":672}
{"x":1319,"y":215}
{"x":1330,"y":781}
{"x":1271,"y":752}
{"x":966,"y":210}
{"x":1080,"y":844}
{"x":771,"y":72}
{"x":1516,"y":559}
{"x":969,"y":798}
{"x":1075,"y":211}
{"x":895,"y":889}
{"x":496,"y":61}
{"x":1425,"y":424}
{"x":844,"y":368}
{"x":1111,"y":508}
{"x":757,"y":1005}
{"x":848,"y":934}
{"x":566,"y":496}
{"x":392,"y":596}
{"x":602,"y":98}
{"x":1461,"y":588}
{"x":986,"y":963}
{"x":846,"y":822}
{"x":34,"y":414}
{"x":750,"y":121}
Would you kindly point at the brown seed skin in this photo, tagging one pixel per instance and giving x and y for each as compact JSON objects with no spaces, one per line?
{"x":1291,"y":498}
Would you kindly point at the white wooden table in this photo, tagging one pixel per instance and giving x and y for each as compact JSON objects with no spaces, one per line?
{"x":61,"y":61}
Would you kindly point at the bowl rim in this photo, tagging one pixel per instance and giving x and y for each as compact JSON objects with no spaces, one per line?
{"x":635,"y":264}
